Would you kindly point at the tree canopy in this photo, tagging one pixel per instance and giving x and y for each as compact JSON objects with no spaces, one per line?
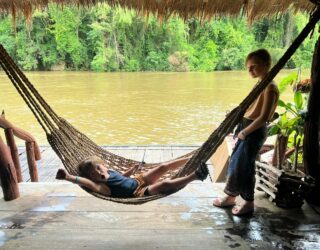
{"x":104,"y":38}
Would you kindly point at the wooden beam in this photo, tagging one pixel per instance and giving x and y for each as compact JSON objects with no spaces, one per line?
{"x":220,"y":161}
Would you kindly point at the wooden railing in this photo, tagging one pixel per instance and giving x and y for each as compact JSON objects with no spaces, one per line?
{"x":32,"y":149}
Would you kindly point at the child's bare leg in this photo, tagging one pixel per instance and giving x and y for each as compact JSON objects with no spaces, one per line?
{"x":171,"y":185}
{"x":154,"y":174}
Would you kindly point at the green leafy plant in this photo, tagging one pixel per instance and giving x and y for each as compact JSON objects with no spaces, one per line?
{"x":291,"y":121}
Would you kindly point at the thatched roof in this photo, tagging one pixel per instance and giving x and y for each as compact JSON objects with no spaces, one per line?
{"x":164,"y":8}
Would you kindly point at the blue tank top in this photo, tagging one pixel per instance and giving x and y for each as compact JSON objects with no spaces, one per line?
{"x":121,"y":186}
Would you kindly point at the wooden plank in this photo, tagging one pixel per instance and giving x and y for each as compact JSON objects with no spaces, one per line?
{"x":49,"y":158}
{"x":138,"y":154}
{"x":124,"y":152}
{"x":48,"y":165}
{"x":261,"y":171}
{"x":220,"y":161}
{"x":270,"y":168}
{"x":23,"y":153}
{"x":152,"y":155}
{"x":264,"y":188}
{"x":120,"y":239}
{"x":267,"y":183}
{"x":177,"y":152}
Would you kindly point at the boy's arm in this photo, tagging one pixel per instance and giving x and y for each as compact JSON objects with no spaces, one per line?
{"x":81,"y":181}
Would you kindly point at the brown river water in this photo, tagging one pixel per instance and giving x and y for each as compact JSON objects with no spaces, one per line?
{"x":144,"y":108}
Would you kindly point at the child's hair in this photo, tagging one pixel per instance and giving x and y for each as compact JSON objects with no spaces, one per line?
{"x":262,"y":55}
{"x":85,"y":167}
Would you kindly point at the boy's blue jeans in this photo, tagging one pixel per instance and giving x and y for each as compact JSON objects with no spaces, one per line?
{"x":241,"y":170}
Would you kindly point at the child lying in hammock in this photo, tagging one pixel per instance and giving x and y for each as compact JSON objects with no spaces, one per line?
{"x":95,"y":175}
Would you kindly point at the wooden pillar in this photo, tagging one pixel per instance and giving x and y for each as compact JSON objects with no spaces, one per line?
{"x":279,"y":151}
{"x":311,"y":145}
{"x":8,"y":175}
{"x":32,"y":162}
{"x":14,"y":152}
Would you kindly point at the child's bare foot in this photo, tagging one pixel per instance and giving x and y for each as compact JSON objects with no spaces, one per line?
{"x":244,"y":209}
{"x":223,"y":202}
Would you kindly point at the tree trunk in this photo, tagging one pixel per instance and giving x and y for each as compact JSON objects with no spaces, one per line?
{"x":8,"y":176}
{"x":289,"y":25}
{"x":312,"y":130}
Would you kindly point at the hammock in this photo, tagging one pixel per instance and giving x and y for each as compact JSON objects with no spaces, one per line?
{"x":72,"y":146}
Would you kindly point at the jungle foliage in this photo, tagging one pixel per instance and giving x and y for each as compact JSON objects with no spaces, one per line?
{"x":102,"y":38}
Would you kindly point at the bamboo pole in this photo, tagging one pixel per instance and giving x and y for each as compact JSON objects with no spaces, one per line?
{"x":8,"y":175}
{"x":32,"y":162}
{"x":14,"y":152}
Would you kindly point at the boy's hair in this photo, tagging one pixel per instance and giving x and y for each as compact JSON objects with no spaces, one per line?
{"x":86,"y":165}
{"x":261,"y":54}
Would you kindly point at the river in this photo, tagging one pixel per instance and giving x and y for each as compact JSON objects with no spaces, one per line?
{"x":144,"y":108}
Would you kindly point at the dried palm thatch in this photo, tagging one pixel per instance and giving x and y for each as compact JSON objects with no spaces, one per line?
{"x":203,"y":9}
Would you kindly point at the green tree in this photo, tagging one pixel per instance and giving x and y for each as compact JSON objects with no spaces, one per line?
{"x":104,"y":38}
{"x":65,"y":28}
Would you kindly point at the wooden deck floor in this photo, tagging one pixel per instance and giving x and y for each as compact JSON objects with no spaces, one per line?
{"x":59,"y":215}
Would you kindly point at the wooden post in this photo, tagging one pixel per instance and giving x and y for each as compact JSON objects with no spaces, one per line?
{"x":279,"y":151}
{"x":8,"y":175}
{"x":311,"y":147}
{"x":32,"y":162}
{"x":14,"y":152}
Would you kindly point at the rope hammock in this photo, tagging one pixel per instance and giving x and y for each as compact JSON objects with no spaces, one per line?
{"x":72,"y":146}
